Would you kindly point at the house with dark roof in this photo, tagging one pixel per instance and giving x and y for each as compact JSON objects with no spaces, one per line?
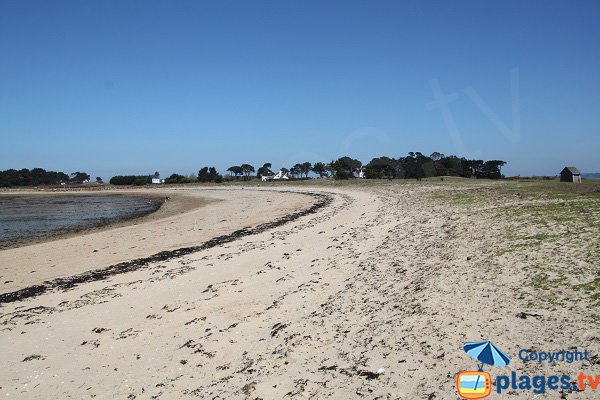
{"x":570,"y":174}
{"x":155,"y":178}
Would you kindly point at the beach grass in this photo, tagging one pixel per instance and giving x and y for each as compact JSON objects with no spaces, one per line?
{"x":553,"y":227}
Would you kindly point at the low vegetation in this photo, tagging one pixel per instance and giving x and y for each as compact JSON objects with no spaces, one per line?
{"x":549,"y":229}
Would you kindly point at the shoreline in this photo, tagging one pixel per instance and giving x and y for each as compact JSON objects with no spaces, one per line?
{"x":190,"y":217}
{"x":323,"y":200}
{"x":177,"y":203}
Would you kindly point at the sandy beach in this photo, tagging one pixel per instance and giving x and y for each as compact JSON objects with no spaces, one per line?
{"x":370,"y":295}
{"x":187,"y":218}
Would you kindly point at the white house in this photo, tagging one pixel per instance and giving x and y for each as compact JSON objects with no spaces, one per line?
{"x":155,"y":178}
{"x":279,"y":176}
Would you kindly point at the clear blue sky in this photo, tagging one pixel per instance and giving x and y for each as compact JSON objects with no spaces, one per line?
{"x":119,"y":87}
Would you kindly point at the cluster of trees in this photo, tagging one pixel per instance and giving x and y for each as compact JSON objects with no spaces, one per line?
{"x":265,"y":170}
{"x":80,"y":177}
{"x":207,"y":174}
{"x":39,"y":176}
{"x":176,"y":178}
{"x":137,"y":180}
{"x":416,"y":166}
{"x":301,"y":169}
{"x":345,"y":167}
{"x":341,"y":169}
{"x":298,"y":171}
{"x":242,"y":170}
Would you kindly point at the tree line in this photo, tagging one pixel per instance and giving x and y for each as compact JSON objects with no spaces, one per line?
{"x":205,"y":174}
{"x":137,"y":180}
{"x":39,"y":176}
{"x":414,"y":165}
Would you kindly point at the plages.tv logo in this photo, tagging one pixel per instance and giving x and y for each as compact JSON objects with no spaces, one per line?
{"x":478,"y":384}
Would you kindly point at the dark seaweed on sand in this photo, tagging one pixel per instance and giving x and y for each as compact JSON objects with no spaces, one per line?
{"x":100,"y":274}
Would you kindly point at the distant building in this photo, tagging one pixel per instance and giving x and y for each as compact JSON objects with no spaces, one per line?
{"x":360,"y":173}
{"x":155,"y":178}
{"x":281,"y":175}
{"x":570,"y":174}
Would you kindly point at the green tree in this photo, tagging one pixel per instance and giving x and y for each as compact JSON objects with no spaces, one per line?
{"x":235,"y":170}
{"x":492,"y":169}
{"x":137,"y":180}
{"x":247,"y":169}
{"x":265,"y":170}
{"x":35,"y":177}
{"x":381,"y":167}
{"x":175,"y":178}
{"x":330,"y":169}
{"x":320,"y":169}
{"x":203,"y":175}
{"x":345,"y":167}
{"x":207,"y":174}
{"x":214,"y":176}
{"x":295,"y":171}
{"x":79,"y":177}
{"x":435,"y":156}
{"x":305,"y":168}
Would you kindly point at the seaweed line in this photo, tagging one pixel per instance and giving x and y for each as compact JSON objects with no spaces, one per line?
{"x":144,"y":262}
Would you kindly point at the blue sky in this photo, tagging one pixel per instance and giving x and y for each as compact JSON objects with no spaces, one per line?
{"x":120,"y":87}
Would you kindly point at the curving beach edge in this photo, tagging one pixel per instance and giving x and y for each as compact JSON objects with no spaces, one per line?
{"x":64,"y":283}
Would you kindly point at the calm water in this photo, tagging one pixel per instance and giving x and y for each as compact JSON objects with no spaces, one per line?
{"x":24,"y":218}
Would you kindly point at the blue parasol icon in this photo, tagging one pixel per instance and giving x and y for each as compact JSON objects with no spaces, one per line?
{"x":486,"y":353}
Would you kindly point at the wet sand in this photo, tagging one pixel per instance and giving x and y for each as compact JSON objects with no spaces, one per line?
{"x":25,"y":219}
{"x":177,"y":204}
{"x":188,"y":218}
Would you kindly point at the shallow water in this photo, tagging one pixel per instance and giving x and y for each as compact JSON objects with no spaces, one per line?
{"x":34,"y":217}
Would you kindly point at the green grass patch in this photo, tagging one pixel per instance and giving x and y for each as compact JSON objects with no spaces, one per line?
{"x":544,"y":282}
{"x":592,"y":289}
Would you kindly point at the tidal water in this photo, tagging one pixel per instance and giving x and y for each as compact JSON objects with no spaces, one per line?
{"x":26,"y":218}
